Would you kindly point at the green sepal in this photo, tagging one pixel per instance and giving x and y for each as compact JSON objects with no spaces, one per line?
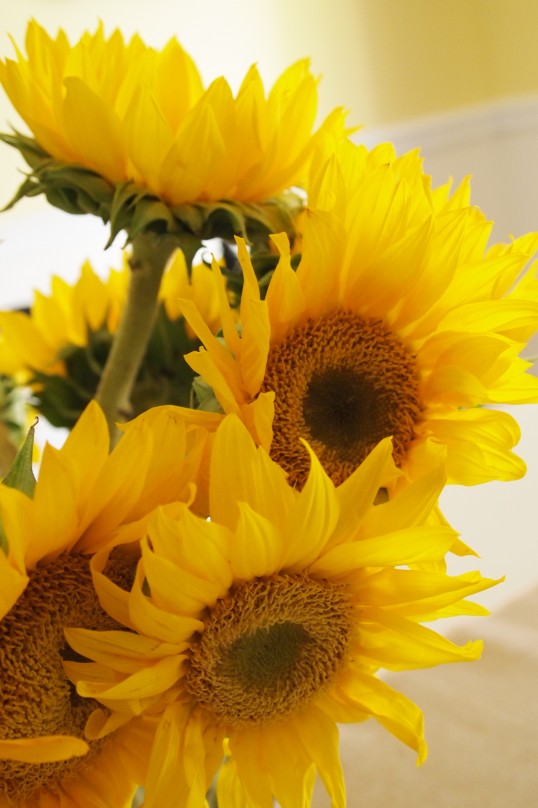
{"x":204,"y":397}
{"x":135,"y":210}
{"x":21,"y":475}
{"x":254,"y":221}
{"x":76,"y":189}
{"x":30,"y":150}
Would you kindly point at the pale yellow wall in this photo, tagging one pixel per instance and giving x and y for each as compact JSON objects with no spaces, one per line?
{"x":513,"y":37}
{"x":427,"y":56}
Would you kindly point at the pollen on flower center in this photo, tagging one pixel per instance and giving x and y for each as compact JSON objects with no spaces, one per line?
{"x":343,"y":383}
{"x":36,"y":698}
{"x":269,"y":647}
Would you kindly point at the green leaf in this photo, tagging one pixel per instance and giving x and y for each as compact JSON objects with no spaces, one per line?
{"x":21,"y":475}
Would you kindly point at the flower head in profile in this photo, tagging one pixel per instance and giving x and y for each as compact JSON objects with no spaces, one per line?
{"x":60,"y":348}
{"x":119,"y":126}
{"x":85,"y":500}
{"x":255,"y":633}
{"x":399,"y":321}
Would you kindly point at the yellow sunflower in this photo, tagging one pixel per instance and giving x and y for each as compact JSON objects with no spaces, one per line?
{"x":260,"y":630}
{"x":60,"y":348}
{"x":398,"y":321}
{"x":135,"y":116}
{"x":84,"y":500}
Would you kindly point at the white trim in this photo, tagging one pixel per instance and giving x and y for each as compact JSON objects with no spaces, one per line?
{"x":458,"y":127}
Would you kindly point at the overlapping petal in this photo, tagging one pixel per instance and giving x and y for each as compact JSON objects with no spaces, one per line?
{"x":379,"y":245}
{"x":108,"y":105}
{"x":86,"y":501}
{"x":233,"y":568}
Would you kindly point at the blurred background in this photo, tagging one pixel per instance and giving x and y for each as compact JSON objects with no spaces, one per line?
{"x":458,"y":79}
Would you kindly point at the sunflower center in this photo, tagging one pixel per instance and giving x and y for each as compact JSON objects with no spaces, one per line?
{"x":36,"y":698}
{"x":343,"y":383}
{"x":269,"y":647}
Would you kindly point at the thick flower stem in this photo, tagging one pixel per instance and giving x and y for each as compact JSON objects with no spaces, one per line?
{"x":150,"y":254}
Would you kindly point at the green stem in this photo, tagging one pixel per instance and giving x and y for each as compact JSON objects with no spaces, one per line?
{"x":151,"y":252}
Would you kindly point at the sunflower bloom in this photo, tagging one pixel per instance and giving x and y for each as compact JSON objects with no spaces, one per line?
{"x":398,"y":321}
{"x":61,"y":347}
{"x":84,"y":501}
{"x":260,"y":630}
{"x":130,"y":114}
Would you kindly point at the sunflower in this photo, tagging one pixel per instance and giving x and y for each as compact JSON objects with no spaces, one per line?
{"x":125,"y":118}
{"x":261,"y":629}
{"x":84,"y":500}
{"x":398,"y":321}
{"x":60,"y":348}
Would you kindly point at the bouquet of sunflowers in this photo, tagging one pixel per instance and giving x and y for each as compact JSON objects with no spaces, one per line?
{"x":241,"y":531}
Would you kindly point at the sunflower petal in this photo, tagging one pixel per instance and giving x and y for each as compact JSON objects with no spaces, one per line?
{"x":47,"y":749}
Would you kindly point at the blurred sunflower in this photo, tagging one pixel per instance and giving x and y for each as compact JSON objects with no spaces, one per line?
{"x":267,"y":624}
{"x":61,"y":347}
{"x":84,"y":500}
{"x":398,"y":321}
{"x":118,"y":126}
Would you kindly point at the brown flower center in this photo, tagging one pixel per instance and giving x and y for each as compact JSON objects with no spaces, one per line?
{"x":343,"y":383}
{"x":36,"y":698}
{"x":269,"y":647}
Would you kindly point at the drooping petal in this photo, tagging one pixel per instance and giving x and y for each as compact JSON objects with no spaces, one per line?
{"x":400,"y":644}
{"x":43,"y":750}
{"x":393,"y":710}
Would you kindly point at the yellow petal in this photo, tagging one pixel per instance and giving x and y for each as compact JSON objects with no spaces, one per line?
{"x":407,"y":546}
{"x":93,"y":130}
{"x":403,"y":644}
{"x":319,"y":736}
{"x":479,"y":443}
{"x":14,"y":583}
{"x":165,"y":774}
{"x":175,"y":589}
{"x":87,"y":445}
{"x":143,"y":123}
{"x":174,"y":105}
{"x":149,"y":681}
{"x":154,"y":622}
{"x":122,"y":651}
{"x":246,"y":746}
{"x":285,"y":299}
{"x":198,"y":546}
{"x":54,"y":506}
{"x":230,"y":792}
{"x":257,"y":545}
{"x":410,"y":506}
{"x":356,"y":494}
{"x":418,"y":594}
{"x":311,"y":519}
{"x":47,"y":749}
{"x":393,"y":710}
{"x":113,"y":599}
{"x":256,"y":479}
{"x":100,"y":723}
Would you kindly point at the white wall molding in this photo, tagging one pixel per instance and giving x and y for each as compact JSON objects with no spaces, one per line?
{"x":466,"y":125}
